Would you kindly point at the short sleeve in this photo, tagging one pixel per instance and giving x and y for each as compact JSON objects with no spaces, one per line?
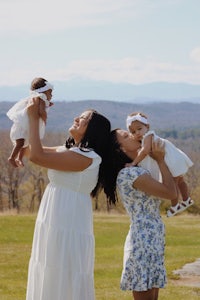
{"x":96,"y":159}
{"x":127,"y":176}
{"x":61,"y":149}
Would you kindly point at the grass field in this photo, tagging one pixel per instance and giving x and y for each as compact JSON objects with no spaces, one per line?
{"x":182,"y":246}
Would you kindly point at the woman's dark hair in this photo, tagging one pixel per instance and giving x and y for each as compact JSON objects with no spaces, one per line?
{"x":37,"y":83}
{"x":96,"y":137}
{"x":117,"y":161}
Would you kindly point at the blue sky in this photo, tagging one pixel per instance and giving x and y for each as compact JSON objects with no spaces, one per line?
{"x":133,"y":41}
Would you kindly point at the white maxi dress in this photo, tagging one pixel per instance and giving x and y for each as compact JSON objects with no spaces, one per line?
{"x":61,"y":266}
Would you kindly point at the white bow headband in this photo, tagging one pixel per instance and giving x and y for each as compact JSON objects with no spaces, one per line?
{"x":48,"y":86}
{"x":137,"y":117}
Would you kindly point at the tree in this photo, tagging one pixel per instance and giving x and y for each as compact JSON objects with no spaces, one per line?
{"x":38,"y":179}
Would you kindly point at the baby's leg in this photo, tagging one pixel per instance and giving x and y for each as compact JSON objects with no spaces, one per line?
{"x":174,"y":202}
{"x":175,"y":205}
{"x":15,"y":152}
{"x":19,"y":160}
{"x":183,"y":188}
{"x":187,"y":201}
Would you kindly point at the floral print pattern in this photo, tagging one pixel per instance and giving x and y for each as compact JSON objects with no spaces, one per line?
{"x":143,"y":266}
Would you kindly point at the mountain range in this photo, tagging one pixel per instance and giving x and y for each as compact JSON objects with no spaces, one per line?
{"x":79,"y":89}
{"x":161,"y":115}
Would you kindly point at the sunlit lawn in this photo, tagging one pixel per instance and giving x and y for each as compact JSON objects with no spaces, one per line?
{"x":182,"y":246}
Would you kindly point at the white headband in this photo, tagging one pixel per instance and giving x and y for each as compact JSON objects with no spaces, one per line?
{"x":137,"y":117}
{"x":48,"y":86}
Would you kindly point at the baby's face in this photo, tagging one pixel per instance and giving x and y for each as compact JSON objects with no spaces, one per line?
{"x":138,"y":129}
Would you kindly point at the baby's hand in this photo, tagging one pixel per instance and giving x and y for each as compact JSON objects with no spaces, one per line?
{"x":158,"y":150}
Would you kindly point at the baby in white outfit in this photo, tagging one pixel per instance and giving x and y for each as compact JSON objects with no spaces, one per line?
{"x":19,"y":132}
{"x":177,"y":161}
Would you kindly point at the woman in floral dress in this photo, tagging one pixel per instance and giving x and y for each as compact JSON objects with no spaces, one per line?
{"x":143,"y":269}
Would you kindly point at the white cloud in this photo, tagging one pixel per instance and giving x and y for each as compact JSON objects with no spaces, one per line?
{"x":42,"y":16}
{"x":21,"y":61}
{"x":130,"y":70}
{"x":195,"y":55}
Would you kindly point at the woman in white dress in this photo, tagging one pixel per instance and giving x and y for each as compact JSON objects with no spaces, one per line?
{"x":62,"y":260}
{"x":143,"y":268}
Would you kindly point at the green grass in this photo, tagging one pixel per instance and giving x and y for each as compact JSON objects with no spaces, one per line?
{"x":182,"y":246}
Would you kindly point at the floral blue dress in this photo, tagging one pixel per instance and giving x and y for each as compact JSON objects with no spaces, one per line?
{"x":143,"y":266}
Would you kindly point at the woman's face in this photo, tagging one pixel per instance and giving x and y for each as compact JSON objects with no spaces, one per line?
{"x":78,"y":129}
{"x":127,"y":142}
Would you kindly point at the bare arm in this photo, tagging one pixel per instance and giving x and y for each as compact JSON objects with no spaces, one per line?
{"x":50,"y":149}
{"x":45,"y":149}
{"x":48,"y":157}
{"x":147,"y":184}
{"x":145,"y":150}
{"x":42,"y":110}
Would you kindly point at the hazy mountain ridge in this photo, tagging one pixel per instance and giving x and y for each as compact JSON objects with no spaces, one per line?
{"x":81,"y":89}
{"x":178,"y":116}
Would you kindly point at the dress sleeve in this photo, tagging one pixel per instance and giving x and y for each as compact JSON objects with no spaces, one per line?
{"x":96,"y":159}
{"x":129,"y":175}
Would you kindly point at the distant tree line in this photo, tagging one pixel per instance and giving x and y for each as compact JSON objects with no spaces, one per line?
{"x":190,"y":133}
{"x":21,"y":189}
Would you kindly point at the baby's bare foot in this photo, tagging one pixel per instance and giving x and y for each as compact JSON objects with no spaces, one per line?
{"x":19,"y":163}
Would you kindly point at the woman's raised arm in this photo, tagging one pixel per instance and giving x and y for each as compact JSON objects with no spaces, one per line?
{"x":166,"y":189}
{"x":63,"y":161}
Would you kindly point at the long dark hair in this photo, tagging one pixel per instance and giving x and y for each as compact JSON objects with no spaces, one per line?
{"x":97,"y":137}
{"x":117,"y":161}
